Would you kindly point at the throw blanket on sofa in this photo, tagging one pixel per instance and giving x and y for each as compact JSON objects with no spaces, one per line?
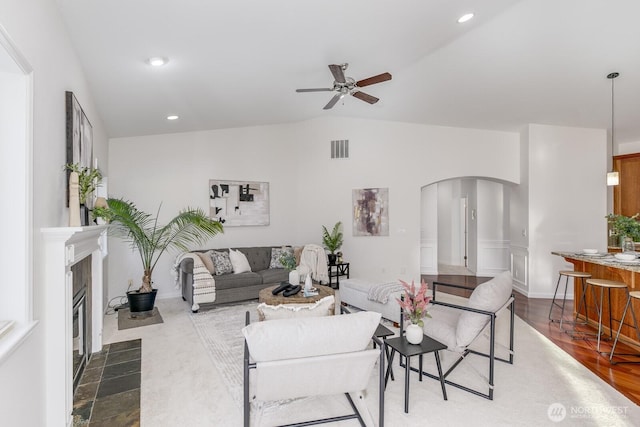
{"x":380,"y":293}
{"x":204,"y":285}
{"x":314,"y":260}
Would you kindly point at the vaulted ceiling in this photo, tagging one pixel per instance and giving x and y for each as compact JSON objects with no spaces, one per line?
{"x":238,"y":63}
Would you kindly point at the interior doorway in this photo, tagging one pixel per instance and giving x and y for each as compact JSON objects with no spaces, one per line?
{"x":465,"y":227}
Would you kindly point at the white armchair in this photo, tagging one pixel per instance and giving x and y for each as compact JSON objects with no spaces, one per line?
{"x":459,"y":326}
{"x":313,"y":356}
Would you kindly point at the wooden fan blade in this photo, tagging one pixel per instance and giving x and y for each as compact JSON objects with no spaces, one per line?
{"x":373,"y":80}
{"x":320,"y":89}
{"x":365,"y":97}
{"x":338,"y":74}
{"x":333,"y":102}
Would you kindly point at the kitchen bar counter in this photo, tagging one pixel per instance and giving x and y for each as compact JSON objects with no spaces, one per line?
{"x":605,"y":266}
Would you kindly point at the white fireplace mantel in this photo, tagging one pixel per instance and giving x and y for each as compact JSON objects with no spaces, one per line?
{"x":64,"y":247}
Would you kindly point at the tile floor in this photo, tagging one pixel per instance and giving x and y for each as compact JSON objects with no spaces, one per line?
{"x":108,"y":393}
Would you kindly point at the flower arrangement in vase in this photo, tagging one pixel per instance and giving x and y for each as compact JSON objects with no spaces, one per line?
{"x":288,"y":261}
{"x":414,"y":306}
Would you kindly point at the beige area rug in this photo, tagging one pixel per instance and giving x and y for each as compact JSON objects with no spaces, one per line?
{"x":545,"y":386}
{"x":126,"y":321}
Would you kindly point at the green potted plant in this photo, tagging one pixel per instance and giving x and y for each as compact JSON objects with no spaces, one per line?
{"x":288,"y":261}
{"x":332,"y":241}
{"x":88,"y":181}
{"x":624,"y":226}
{"x":141,"y":230}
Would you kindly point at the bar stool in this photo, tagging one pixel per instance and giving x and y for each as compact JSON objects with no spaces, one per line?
{"x":630,"y":296}
{"x":577,"y":275}
{"x":605,"y":284}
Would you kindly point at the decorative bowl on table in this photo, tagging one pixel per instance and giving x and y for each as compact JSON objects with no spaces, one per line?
{"x":590,"y":251}
{"x":626,"y":256}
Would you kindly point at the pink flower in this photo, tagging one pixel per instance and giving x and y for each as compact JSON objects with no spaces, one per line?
{"x":415,"y":303}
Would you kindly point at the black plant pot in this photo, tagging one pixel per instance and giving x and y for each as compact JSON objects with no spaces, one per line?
{"x":332,"y":258}
{"x":141,"y":302}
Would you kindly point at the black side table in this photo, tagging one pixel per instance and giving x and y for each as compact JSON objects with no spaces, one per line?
{"x":402,"y":346}
{"x":384,"y":332}
{"x":336,"y":270}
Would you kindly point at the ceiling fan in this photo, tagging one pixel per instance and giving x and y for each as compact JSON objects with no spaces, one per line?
{"x":347,"y":85}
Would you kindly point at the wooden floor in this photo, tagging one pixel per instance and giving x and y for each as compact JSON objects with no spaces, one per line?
{"x":624,"y":377}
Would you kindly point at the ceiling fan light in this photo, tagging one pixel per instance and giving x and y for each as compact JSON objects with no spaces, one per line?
{"x":173,"y":117}
{"x":464,"y":18}
{"x":613,"y":178}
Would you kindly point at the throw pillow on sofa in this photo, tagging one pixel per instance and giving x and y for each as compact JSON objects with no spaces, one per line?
{"x":239,"y":261}
{"x":276,"y":253}
{"x":221,"y":262}
{"x":206,"y":260}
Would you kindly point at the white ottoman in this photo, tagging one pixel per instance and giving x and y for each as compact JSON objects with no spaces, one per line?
{"x":355,"y":293}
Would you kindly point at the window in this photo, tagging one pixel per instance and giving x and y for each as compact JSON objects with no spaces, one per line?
{"x":16,"y":301}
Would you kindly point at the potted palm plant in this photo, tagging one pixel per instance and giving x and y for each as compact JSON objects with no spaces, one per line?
{"x":332,"y":241}
{"x":141,"y":230}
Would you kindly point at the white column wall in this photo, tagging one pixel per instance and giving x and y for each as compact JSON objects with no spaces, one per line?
{"x":567,"y":199}
{"x":308,"y":189}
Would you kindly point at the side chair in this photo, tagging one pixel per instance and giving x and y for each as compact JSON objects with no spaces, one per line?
{"x":313,"y":356}
{"x":459,"y":326}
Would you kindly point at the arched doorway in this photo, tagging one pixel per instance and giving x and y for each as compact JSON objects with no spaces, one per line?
{"x":465,"y":227}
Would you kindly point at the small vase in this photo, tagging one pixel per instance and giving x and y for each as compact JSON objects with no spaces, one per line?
{"x":308,"y":283}
{"x":84,"y":215}
{"x":414,"y":334}
{"x":294,"y":278}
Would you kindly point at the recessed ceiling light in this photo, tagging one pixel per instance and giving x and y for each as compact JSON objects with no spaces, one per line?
{"x":157,"y":61}
{"x":465,"y":18}
{"x":173,"y":117}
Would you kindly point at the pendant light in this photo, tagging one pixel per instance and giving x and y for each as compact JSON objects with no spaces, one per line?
{"x":613,"y":177}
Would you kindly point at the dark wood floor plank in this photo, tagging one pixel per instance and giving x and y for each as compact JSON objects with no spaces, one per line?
{"x":623,"y":377}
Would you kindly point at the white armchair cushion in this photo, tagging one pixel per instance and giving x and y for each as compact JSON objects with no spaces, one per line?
{"x":311,"y":336}
{"x":489,"y":296}
{"x":323,"y":307}
{"x":442,"y":325}
{"x":318,"y":375}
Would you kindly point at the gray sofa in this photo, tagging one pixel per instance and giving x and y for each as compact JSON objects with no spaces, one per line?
{"x":236,"y":287}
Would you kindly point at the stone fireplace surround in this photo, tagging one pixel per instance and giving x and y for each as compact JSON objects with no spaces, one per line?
{"x":63,"y":248}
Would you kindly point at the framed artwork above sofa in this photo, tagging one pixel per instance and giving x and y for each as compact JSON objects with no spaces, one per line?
{"x":239,"y":203}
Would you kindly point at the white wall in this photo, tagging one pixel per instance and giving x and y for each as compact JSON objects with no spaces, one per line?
{"x":446,"y":222}
{"x":308,"y":189}
{"x":429,"y":230}
{"x":519,"y":220}
{"x":40,"y":36}
{"x":472,"y":224}
{"x":567,"y":199}
{"x":493,"y":228}
{"x":627,"y":148}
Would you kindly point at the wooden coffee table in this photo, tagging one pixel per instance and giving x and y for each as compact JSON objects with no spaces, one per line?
{"x":267,"y":297}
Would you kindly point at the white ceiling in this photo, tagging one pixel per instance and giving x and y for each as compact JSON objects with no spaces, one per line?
{"x":238,"y":63}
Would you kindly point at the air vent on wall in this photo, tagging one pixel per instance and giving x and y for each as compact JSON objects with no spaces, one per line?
{"x":340,"y":149}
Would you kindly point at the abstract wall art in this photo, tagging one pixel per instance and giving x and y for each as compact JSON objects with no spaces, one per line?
{"x":239,"y":203}
{"x":371,"y":212}
{"x":79,"y":136}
